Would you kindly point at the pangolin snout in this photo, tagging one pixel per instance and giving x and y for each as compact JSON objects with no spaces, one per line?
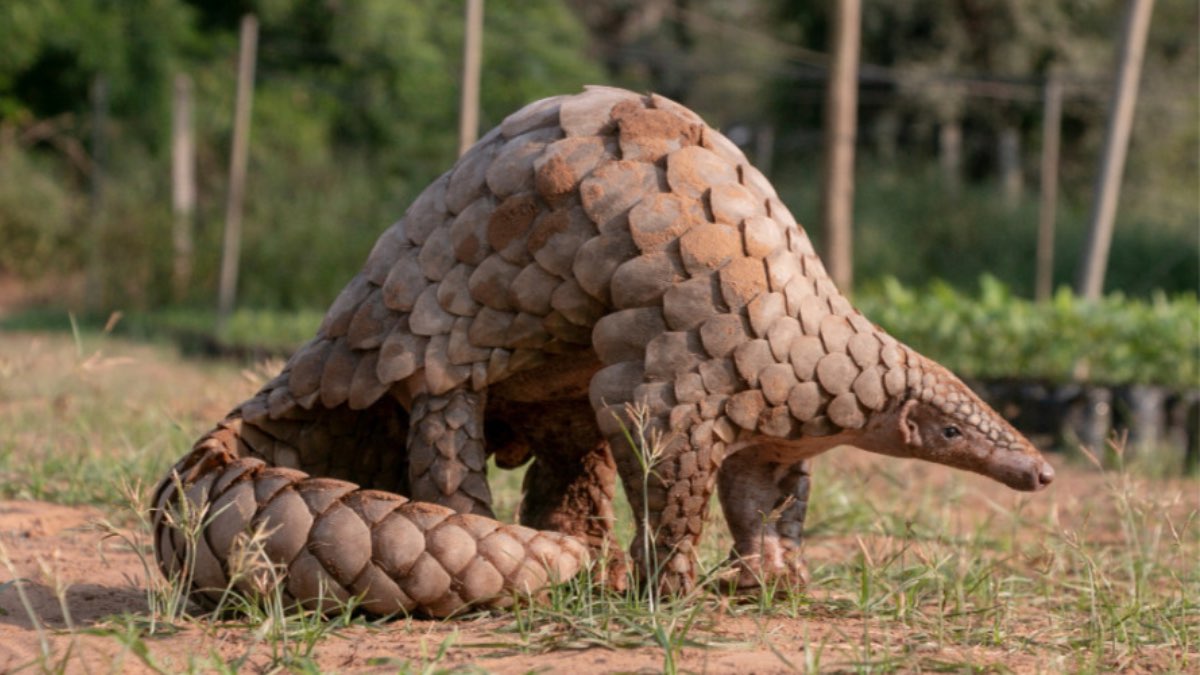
{"x":1022,"y":472}
{"x":1031,"y":478}
{"x":1045,"y":475}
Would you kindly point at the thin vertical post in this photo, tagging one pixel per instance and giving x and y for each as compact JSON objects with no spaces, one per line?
{"x":94,"y":292}
{"x":1012,"y":182}
{"x":1051,"y":133}
{"x":1116,"y":144}
{"x":841,"y":108}
{"x":468,"y":113}
{"x":950,"y":152}
{"x":183,"y":185}
{"x":248,"y":46}
{"x":764,"y":148}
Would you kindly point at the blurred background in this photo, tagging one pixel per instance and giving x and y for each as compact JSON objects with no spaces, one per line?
{"x":117,"y":127}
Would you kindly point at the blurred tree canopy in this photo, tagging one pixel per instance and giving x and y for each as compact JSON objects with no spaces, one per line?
{"x":356,"y":110}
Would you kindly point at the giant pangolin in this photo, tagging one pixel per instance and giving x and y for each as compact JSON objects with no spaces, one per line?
{"x":594,"y":250}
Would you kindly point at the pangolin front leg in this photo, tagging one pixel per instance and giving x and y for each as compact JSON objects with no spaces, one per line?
{"x":447,"y":460}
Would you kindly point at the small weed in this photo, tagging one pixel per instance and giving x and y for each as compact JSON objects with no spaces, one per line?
{"x":426,"y":664}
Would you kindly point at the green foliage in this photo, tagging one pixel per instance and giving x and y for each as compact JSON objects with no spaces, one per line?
{"x":353,"y":114}
{"x":908,"y":225}
{"x":245,"y":330}
{"x":994,"y":334}
{"x":386,"y":73}
{"x":36,"y":215}
{"x":356,"y":103}
{"x":52,"y":49}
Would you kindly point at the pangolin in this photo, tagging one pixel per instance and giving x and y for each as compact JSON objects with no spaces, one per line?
{"x":593,"y":251}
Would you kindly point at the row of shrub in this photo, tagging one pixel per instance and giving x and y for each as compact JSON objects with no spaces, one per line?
{"x":996,"y":335}
{"x":991,"y":334}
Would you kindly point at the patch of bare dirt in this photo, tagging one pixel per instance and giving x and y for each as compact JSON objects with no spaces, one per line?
{"x":70,"y":565}
{"x":17,"y":294}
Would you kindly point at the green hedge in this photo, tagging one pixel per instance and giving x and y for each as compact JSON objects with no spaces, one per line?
{"x":1117,"y":340}
{"x":277,"y":332}
{"x":248,"y":331}
{"x":992,"y":334}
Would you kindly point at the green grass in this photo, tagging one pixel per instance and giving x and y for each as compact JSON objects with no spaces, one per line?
{"x":79,"y":420}
{"x":914,"y":567}
{"x":248,"y":333}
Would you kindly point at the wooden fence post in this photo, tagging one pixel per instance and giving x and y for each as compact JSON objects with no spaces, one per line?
{"x":1094,"y":263}
{"x":1051,"y":133}
{"x":231,"y":251}
{"x":183,"y":185}
{"x":841,"y":117}
{"x":468,"y":113}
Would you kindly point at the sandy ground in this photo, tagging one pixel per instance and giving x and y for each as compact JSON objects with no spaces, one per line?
{"x":69,"y":564}
{"x":61,"y":552}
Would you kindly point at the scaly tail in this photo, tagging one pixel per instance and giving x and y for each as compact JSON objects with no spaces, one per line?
{"x":335,"y":540}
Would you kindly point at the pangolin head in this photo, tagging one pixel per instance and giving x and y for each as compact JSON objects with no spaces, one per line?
{"x":943,"y":421}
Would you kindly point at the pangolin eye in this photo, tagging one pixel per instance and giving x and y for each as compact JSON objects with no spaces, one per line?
{"x":951,"y":432}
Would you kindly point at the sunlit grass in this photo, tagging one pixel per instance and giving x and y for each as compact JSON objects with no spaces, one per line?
{"x":81,"y":415}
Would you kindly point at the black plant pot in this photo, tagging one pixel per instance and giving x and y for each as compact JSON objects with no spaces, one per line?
{"x":1089,"y":417}
{"x":1066,"y":416}
{"x":1183,"y":428}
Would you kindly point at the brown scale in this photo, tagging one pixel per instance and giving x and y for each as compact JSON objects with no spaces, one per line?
{"x":592,"y":252}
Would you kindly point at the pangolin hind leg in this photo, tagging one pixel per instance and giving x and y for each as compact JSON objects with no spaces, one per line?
{"x":368,"y":447}
{"x":570,"y":485}
{"x":765,"y":502}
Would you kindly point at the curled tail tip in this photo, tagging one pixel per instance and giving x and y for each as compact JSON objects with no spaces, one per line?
{"x":416,"y":557}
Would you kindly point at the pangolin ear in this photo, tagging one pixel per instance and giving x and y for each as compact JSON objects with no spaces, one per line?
{"x":909,"y":430}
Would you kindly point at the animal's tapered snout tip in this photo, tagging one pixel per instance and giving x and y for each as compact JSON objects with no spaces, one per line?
{"x":1045,"y":475}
